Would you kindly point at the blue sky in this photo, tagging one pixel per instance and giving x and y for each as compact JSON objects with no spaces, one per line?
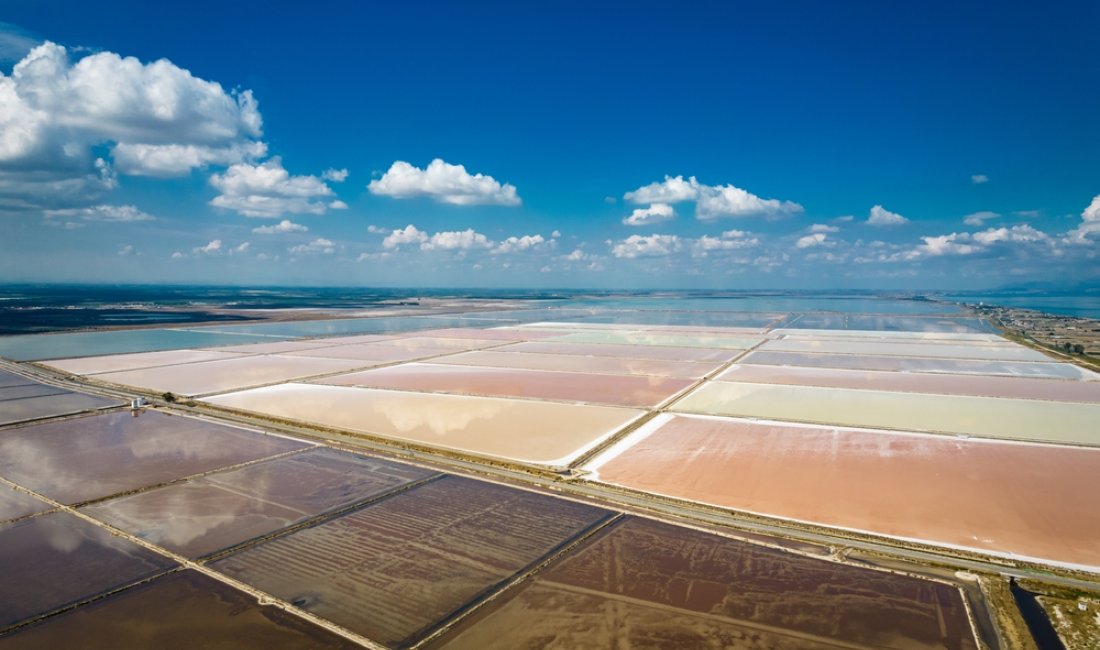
{"x":718,"y":145}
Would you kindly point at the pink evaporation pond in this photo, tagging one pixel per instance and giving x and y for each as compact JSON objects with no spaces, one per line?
{"x":616,"y":390}
{"x":228,"y":374}
{"x":578,"y":363}
{"x":619,"y":350}
{"x":1059,"y":390}
{"x":117,"y":362}
{"x":896,"y":335}
{"x":277,"y":347}
{"x":922,"y":349}
{"x":525,"y":431}
{"x":88,"y":458}
{"x":694,"y":329}
{"x":1030,"y":500}
{"x":1048,"y":369}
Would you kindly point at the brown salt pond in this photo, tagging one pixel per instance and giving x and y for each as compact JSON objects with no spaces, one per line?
{"x":182,"y":610}
{"x":629,"y":351}
{"x":1017,"y":387}
{"x":525,"y":431}
{"x":54,"y":560}
{"x":1012,"y":499}
{"x":616,"y":390}
{"x":396,"y":569}
{"x":994,"y":417}
{"x":642,"y":583}
{"x":52,"y":405}
{"x":228,"y":374}
{"x":578,"y":363}
{"x":15,"y":504}
{"x":224,"y":509}
{"x":92,"y":457}
{"x":119,"y":362}
{"x":1049,"y":369}
{"x":929,"y":349}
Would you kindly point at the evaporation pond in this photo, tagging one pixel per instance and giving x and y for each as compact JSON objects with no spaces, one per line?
{"x":15,"y":504}
{"x":1032,"y":500}
{"x":45,"y":406}
{"x":224,"y":509}
{"x":116,"y":362}
{"x":981,"y":416}
{"x":56,"y":559}
{"x":618,"y":390}
{"x":182,"y":610}
{"x":228,"y":374}
{"x":662,"y":339}
{"x":578,"y":363}
{"x":36,"y":347}
{"x":993,"y":352}
{"x":1060,"y":390}
{"x":1048,"y":369}
{"x":525,"y":431}
{"x":398,"y":568}
{"x":617,"y":350}
{"x":92,"y":457}
{"x":641,"y":583}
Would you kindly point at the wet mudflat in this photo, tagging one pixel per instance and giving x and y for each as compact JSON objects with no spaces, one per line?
{"x":648,"y":584}
{"x":1026,"y":499}
{"x":228,"y":374}
{"x":57,"y":559}
{"x":224,"y":509}
{"x":615,"y":390}
{"x":1049,"y":369}
{"x":96,"y":456}
{"x":183,"y":610}
{"x":526,"y":431}
{"x":1058,"y":390}
{"x":621,"y":350}
{"x":994,"y":417}
{"x":579,"y":363}
{"x":395,"y":569}
{"x":15,"y":504}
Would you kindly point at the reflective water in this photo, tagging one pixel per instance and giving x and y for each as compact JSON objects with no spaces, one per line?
{"x":628,"y":351}
{"x":221,"y":510}
{"x":90,"y":344}
{"x":57,"y":559}
{"x":665,"y":339}
{"x":114,"y":363}
{"x":991,"y":352}
{"x":228,"y":374}
{"x":396,"y":569}
{"x":1017,"y":387}
{"x":92,"y":457}
{"x":888,"y":323}
{"x":15,"y":504}
{"x":66,"y":403}
{"x":981,"y":416}
{"x":1050,"y":369}
{"x":544,"y":433}
{"x":618,"y":390}
{"x":181,"y":611}
{"x":578,"y":363}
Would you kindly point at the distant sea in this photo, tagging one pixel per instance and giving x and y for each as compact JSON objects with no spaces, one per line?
{"x":1085,"y":305}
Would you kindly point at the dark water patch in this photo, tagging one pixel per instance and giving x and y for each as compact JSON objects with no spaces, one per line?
{"x":1038,"y":623}
{"x":182,"y":610}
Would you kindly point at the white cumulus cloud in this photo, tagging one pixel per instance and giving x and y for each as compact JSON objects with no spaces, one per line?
{"x":647,"y":246}
{"x":979,"y":179}
{"x":410,"y":234}
{"x":809,"y":241}
{"x":268,"y":190}
{"x":155,"y":119}
{"x":712,"y":201}
{"x":821,"y":227}
{"x":317,"y":246}
{"x":335,"y":175}
{"x":526,"y":242}
{"x":284,"y":226}
{"x":445,"y":183}
{"x":1090,"y":223}
{"x":880,"y":216}
{"x":213,"y":247}
{"x":655,"y":213}
{"x":456,"y":240}
{"x":109,"y":213}
{"x":978,"y":219}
